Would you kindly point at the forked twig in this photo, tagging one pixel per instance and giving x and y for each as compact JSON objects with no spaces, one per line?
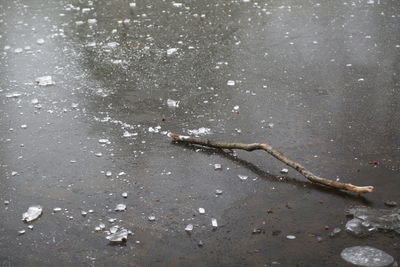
{"x":275,"y":153}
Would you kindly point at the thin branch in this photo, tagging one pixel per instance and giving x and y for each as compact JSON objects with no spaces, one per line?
{"x":275,"y":153}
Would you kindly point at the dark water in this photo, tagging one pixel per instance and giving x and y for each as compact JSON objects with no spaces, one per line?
{"x":325,"y":74}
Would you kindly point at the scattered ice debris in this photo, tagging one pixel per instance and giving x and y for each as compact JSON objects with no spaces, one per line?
{"x":112,"y":44}
{"x":202,"y":210}
{"x":104,"y":141}
{"x":200,"y":244}
{"x":189,"y":228}
{"x":335,"y":232}
{"x":171,"y":51}
{"x":155,"y":129}
{"x":172,"y":103}
{"x":18,"y":50}
{"x":74,"y":105}
{"x":284,"y":171}
{"x":44,"y":80}
{"x":30,"y":227}
{"x":356,"y":228}
{"x":217,"y":166}
{"x":243,"y":177}
{"x":218,"y":192}
{"x":177,"y":4}
{"x":13,"y":95}
{"x":366,"y":256}
{"x":6,"y":202}
{"x":214,"y":223}
{"x":124,"y":194}
{"x":236,"y":108}
{"x":99,"y":154}
{"x":200,"y":131}
{"x":100,"y":227}
{"x":35,"y":101}
{"x":83,"y":213}
{"x":128,"y":134}
{"x":40,"y":41}
{"x":132,"y":5}
{"x":13,"y":173}
{"x":21,"y":232}
{"x":112,"y":220}
{"x":291,"y":237}
{"x":108,"y":173}
{"x":361,"y":80}
{"x":120,"y":207}
{"x":92,"y":21}
{"x":32,"y":213}
{"x":118,"y":235}
{"x":56,"y":209}
{"x":230,"y":82}
{"x":151,"y":218}
{"x":375,"y":219}
{"x":390,"y":203}
{"x":24,"y":126}
{"x":271,"y":125}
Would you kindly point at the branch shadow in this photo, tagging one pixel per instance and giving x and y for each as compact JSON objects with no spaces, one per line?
{"x":304,"y":185}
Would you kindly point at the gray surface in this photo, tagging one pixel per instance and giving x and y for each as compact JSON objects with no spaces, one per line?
{"x":290,"y":63}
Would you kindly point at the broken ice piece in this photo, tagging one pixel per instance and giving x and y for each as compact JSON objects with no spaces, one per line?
{"x":104,"y":141}
{"x":124,"y":194}
{"x":202,"y":210}
{"x":83,"y":213}
{"x":173,"y":103}
{"x":13,"y":95}
{"x":98,"y":154}
{"x":214,"y":223}
{"x":21,"y":232}
{"x":102,"y":226}
{"x":32,"y":213}
{"x":112,"y":220}
{"x":40,"y":41}
{"x":44,"y":80}
{"x":335,"y":232}
{"x":390,"y":203}
{"x":230,"y":82}
{"x":120,"y":207}
{"x":119,"y":236}
{"x":291,"y":237}
{"x":171,"y":51}
{"x":108,"y":173}
{"x":35,"y":101}
{"x":189,"y":228}
{"x":243,"y":177}
{"x":218,"y":192}
{"x":57,"y":209}
{"x":366,"y":256}
{"x":13,"y":173}
{"x":114,"y":229}
{"x":217,"y":166}
{"x":200,"y":131}
{"x":284,"y":171}
{"x":30,"y":227}
{"x":151,"y":218}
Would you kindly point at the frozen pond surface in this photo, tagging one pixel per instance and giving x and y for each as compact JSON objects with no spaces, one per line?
{"x":88,"y":90}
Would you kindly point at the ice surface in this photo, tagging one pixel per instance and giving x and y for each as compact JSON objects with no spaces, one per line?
{"x":32,"y":213}
{"x":366,"y":256}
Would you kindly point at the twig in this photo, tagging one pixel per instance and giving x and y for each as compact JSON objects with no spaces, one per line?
{"x":275,"y":153}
